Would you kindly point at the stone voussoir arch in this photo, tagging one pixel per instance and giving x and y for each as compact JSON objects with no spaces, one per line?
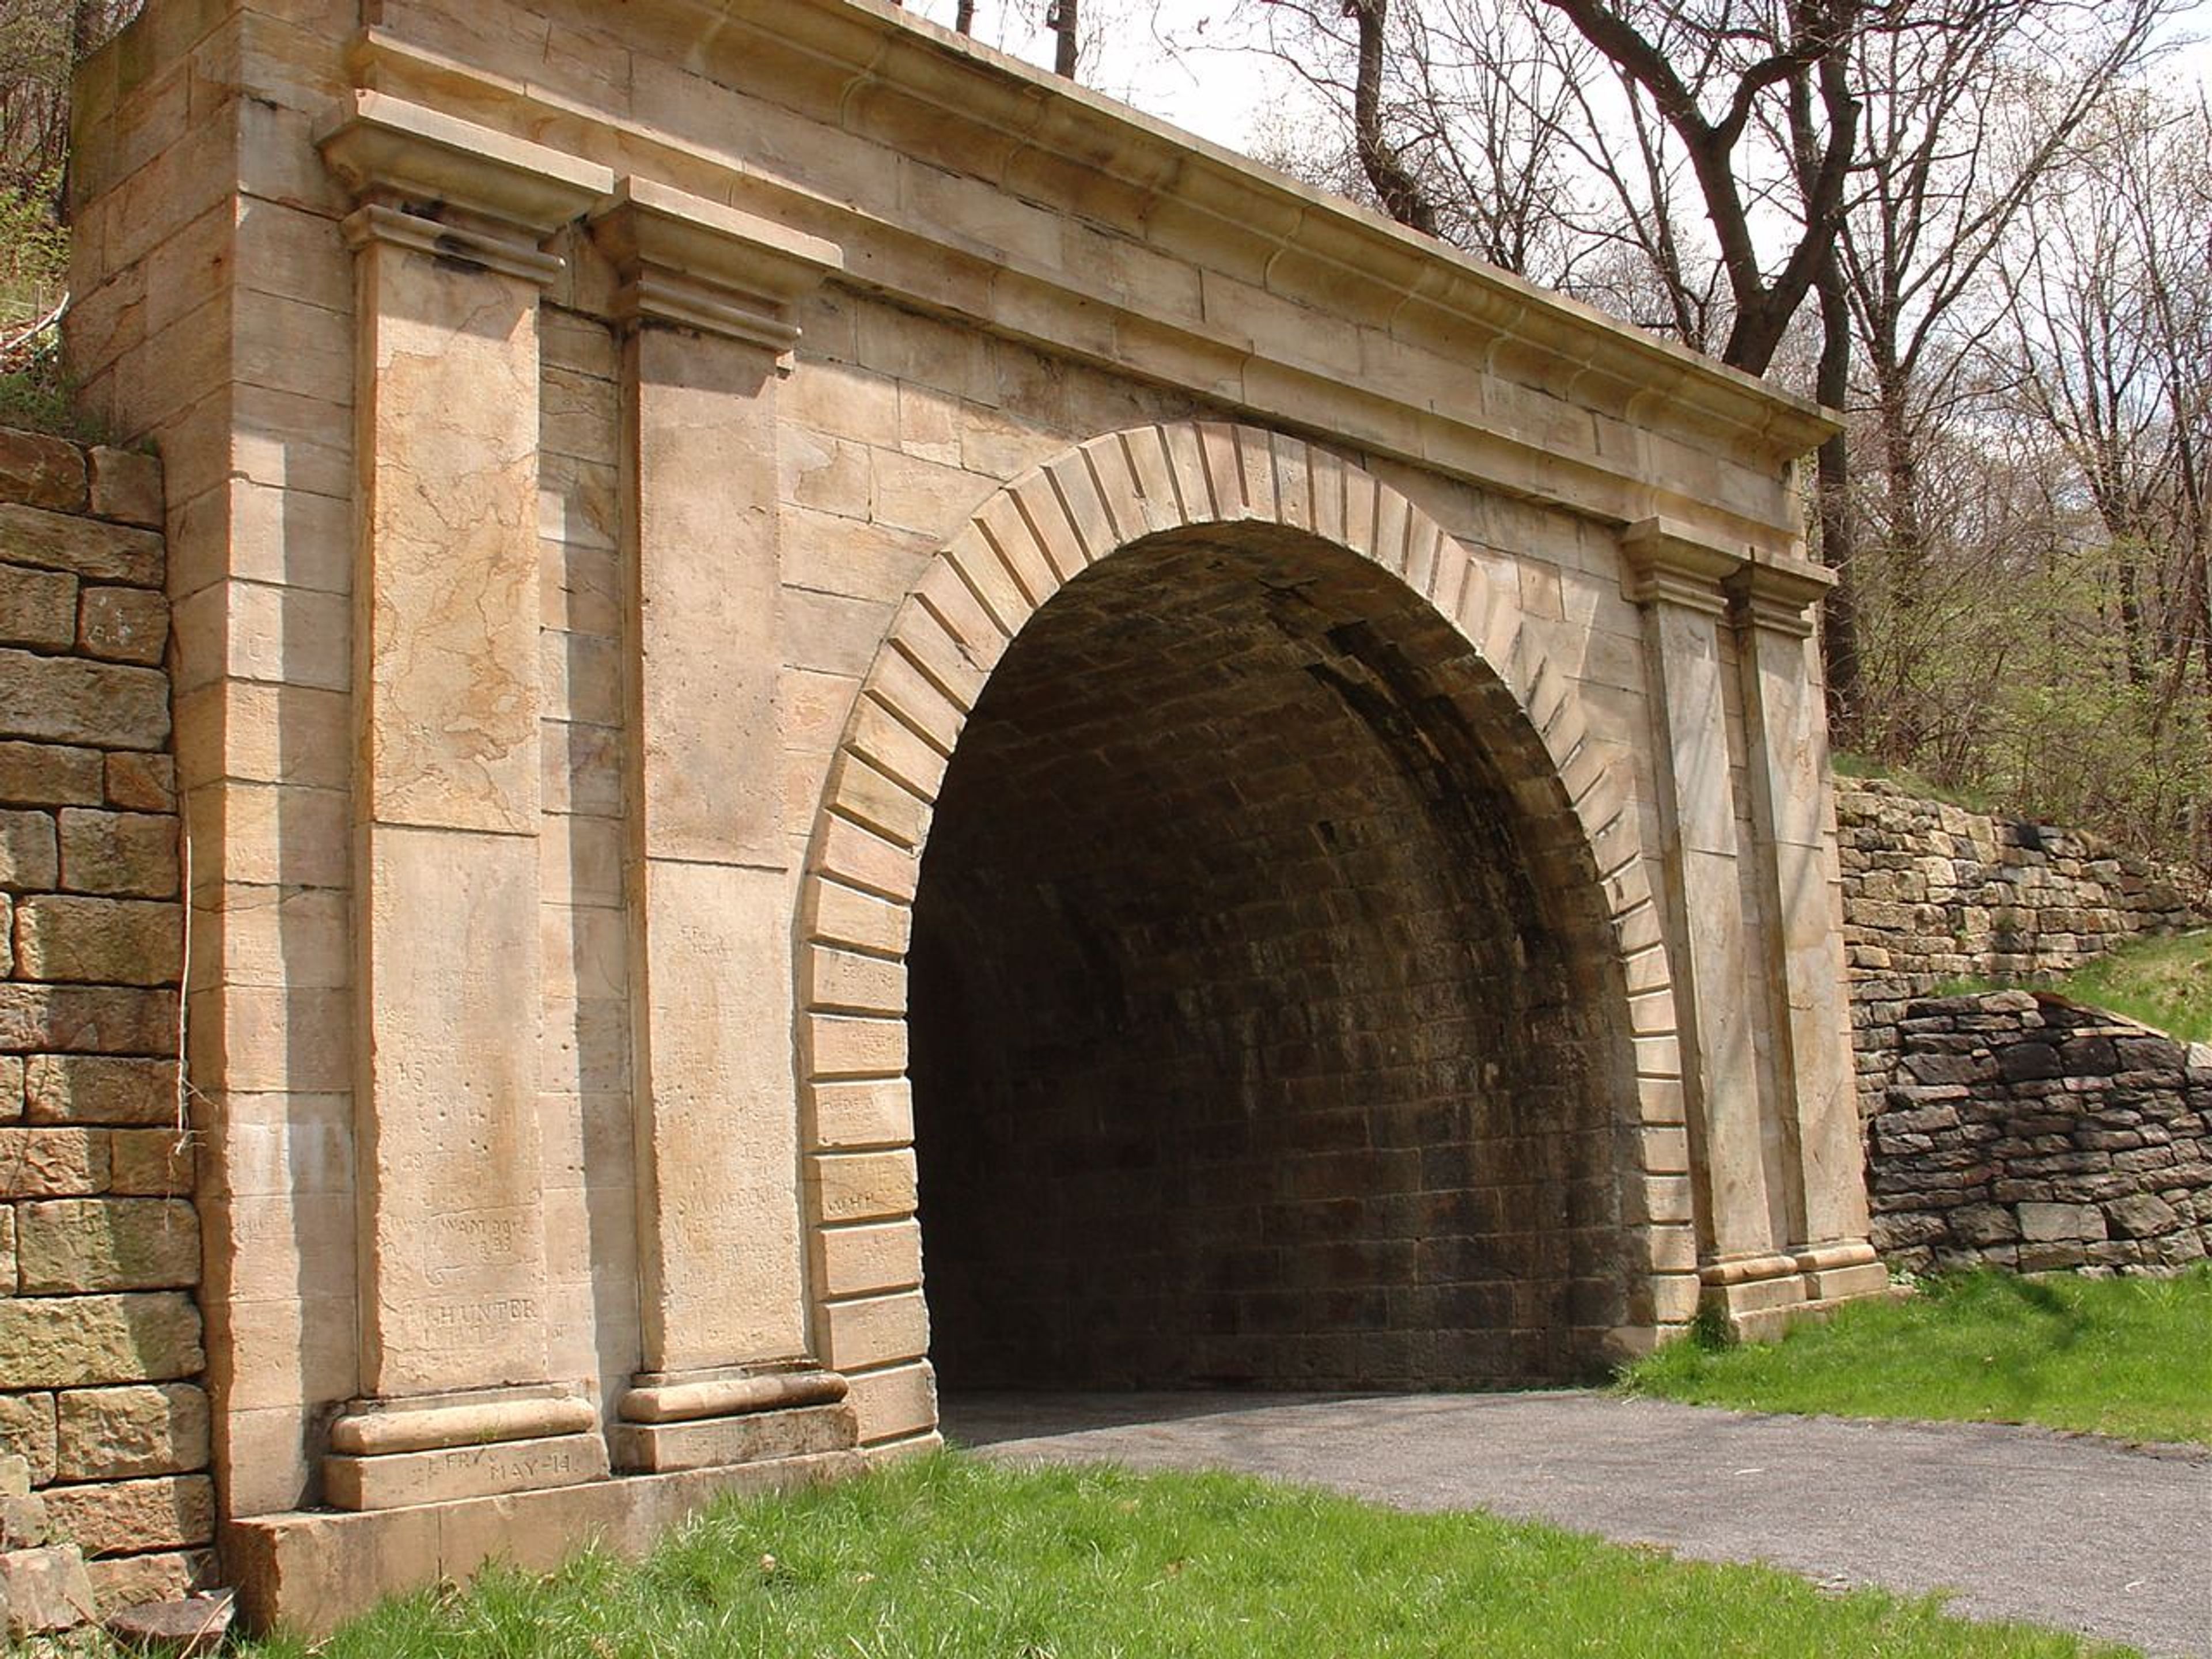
{"x":970,"y":603}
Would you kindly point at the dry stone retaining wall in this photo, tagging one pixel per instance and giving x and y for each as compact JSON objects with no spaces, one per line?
{"x":2031,"y":1133}
{"x":1932,"y":894}
{"x":101,"y":1348}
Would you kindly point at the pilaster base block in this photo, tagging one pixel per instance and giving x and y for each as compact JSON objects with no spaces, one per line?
{"x":310,"y":1571}
{"x":398,"y":1479}
{"x":1847,"y":1283}
{"x":719,"y":1442}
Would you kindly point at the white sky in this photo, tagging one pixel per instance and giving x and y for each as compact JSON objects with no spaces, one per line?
{"x":1220,"y":94}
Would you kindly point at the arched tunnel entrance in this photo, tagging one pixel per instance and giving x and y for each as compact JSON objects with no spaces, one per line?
{"x":1255,"y":1042}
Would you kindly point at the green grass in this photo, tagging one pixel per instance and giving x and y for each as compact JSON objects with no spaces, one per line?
{"x":2131,"y":1358}
{"x":1844,"y":763}
{"x":947,"y":1556}
{"x":2165,"y":983}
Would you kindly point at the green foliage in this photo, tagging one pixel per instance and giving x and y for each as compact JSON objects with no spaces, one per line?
{"x":2165,"y":983}
{"x":948,"y":1556}
{"x":2125,"y":1357}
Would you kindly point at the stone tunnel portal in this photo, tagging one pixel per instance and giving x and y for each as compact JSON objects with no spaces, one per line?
{"x":1254,"y":1045}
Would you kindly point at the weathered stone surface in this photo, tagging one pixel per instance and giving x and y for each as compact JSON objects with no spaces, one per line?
{"x":163,"y":1575}
{"x":2044,"y":1224}
{"x":99,"y":1089}
{"x":151,"y":1162}
{"x":96,"y":552}
{"x":109,"y":1434}
{"x":2141,"y":1215}
{"x":111,"y":1243}
{"x":126,"y":486}
{"x":39,"y":470}
{"x":142,"y":783}
{"x":51,"y":1163}
{"x":14,"y":1476}
{"x":99,"y":941}
{"x":27,"y":1432}
{"x":23,"y":1522}
{"x":87,"y":1019}
{"x":125,"y":854}
{"x":49,"y":774}
{"x":184,"y":1627}
{"x":123,"y":624}
{"x":68,"y":700}
{"x":29,"y":850}
{"x":72,"y":1342}
{"x":44,"y":1590}
{"x":123,"y":1517}
{"x":38,"y":608}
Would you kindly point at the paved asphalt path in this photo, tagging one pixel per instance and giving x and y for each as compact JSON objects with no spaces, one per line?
{"x":2018,"y":1523}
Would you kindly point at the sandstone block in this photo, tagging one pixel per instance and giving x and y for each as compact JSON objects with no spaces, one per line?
{"x":142,"y":783}
{"x":96,"y":552}
{"x":102,"y":941}
{"x":14,"y":1476}
{"x":68,"y":1245}
{"x":112,"y":1434}
{"x":123,"y":624}
{"x":41,"y":472}
{"x":38,"y":608}
{"x":717,"y":1441}
{"x":123,"y":1517}
{"x":165,"y":1580}
{"x":2141,"y":1215}
{"x":150,"y":1163}
{"x":124,"y":854}
{"x":67,"y":700}
{"x":27,"y":1434}
{"x":79,"y":1342}
{"x":87,"y":1019}
{"x":51,"y":1163}
{"x":400,"y":1479}
{"x":48,"y":775}
{"x":44,"y":1590}
{"x":29,"y":850}
{"x":23,"y":1522}
{"x":2050,"y":1224}
{"x":99,"y":1089}
{"x":125,"y":487}
{"x":1985,"y":1224}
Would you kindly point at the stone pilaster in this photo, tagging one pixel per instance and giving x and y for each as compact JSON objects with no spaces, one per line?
{"x":706,"y":298}
{"x":448,"y":275}
{"x":1786,"y":764}
{"x":1741,"y":1176}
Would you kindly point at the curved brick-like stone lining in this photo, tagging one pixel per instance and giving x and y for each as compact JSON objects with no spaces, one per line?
{"x":1017,"y":552}
{"x":2029,"y":1133}
{"x":99,"y":1254}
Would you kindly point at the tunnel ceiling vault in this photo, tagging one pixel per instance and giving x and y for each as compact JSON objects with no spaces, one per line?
{"x":1213,"y":885}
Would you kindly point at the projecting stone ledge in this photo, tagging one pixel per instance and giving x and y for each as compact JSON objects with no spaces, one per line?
{"x":311,"y":1571}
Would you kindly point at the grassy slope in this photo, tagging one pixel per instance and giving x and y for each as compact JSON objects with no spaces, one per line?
{"x":948,"y":1556}
{"x":2165,"y":983}
{"x":2131,"y":1358}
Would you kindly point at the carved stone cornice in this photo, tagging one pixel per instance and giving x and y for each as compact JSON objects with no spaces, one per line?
{"x":447,"y":187}
{"x":699,"y":265}
{"x":1781,"y":598}
{"x":1663,"y":562}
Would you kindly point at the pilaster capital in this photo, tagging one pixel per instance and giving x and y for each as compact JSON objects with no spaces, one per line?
{"x":1777,"y":597}
{"x":1666,"y":563}
{"x":686,"y":260}
{"x":447,"y":187}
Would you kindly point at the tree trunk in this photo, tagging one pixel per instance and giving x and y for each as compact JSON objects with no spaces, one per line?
{"x":963,"y":20}
{"x":1062,"y":20}
{"x":1839,"y":616}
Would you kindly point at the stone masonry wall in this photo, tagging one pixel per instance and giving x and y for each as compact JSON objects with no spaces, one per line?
{"x":2029,"y":1133}
{"x":1933,"y":893}
{"x":100,"y":1350}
